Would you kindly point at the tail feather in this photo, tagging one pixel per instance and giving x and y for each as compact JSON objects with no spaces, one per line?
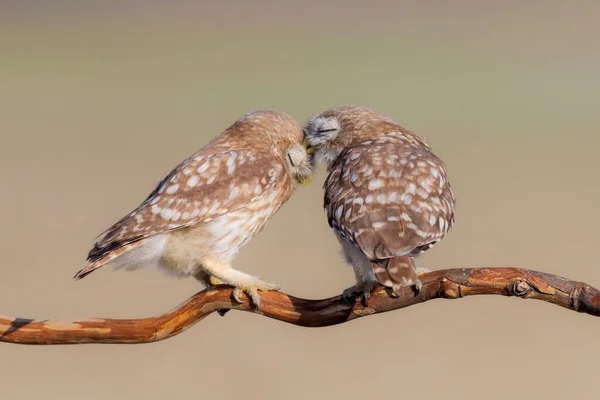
{"x":396,"y":271}
{"x":95,"y":263}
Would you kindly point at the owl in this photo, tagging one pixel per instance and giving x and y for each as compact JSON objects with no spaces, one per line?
{"x":387,"y":196}
{"x":194,"y":223}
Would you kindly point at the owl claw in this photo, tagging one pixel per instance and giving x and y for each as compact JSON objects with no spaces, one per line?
{"x":252,"y":291}
{"x":353,"y":293}
{"x":417,"y":286}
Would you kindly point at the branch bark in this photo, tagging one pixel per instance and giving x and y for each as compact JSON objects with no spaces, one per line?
{"x":447,"y":284}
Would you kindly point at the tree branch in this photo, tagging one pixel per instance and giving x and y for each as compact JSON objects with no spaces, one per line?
{"x":448,"y":284}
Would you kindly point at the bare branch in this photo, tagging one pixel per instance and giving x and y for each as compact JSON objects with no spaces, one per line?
{"x":448,"y":284}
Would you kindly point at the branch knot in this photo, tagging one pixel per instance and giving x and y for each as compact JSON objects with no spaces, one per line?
{"x":574,"y":297}
{"x":519,"y":288}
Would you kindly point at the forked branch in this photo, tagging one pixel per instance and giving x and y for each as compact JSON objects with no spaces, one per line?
{"x":448,"y":284}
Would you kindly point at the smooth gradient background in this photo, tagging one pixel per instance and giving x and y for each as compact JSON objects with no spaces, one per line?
{"x":99,"y":100}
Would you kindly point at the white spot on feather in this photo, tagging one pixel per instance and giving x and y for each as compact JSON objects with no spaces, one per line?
{"x":374,"y":184}
{"x":166,"y":213}
{"x":203,"y":167}
{"x":193,"y":181}
{"x":172,"y":189}
{"x":406,"y":198}
{"x":155,"y":200}
{"x":395,"y":174}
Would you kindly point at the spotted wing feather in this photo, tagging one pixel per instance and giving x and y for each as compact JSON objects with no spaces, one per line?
{"x":389,"y":198}
{"x":202,"y":188}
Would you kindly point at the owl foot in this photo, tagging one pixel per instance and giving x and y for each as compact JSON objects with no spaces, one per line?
{"x":357,"y":292}
{"x":252,"y":291}
{"x":417,"y":286}
{"x":350,"y":295}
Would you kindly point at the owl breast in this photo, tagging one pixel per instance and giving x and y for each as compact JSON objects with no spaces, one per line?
{"x":220,"y":239}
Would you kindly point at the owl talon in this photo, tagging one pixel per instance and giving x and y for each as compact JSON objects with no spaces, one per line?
{"x":349,"y":296}
{"x":236,"y":294}
{"x":352,"y":294}
{"x":252,"y":291}
{"x":417,"y":286}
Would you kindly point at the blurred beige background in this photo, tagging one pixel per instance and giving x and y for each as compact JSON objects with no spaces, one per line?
{"x":99,"y":100}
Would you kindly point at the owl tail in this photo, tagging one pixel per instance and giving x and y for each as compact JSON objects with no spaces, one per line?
{"x":397,"y":271}
{"x":86,"y":271}
{"x":97,"y":262}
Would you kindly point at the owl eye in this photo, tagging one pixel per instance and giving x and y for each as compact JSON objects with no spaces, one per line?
{"x":327,"y":130}
{"x":291,"y":160}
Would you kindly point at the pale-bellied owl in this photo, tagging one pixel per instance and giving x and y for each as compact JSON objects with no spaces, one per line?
{"x":207,"y":208}
{"x":387,"y":196}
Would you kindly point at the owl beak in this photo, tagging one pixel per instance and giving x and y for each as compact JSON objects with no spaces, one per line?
{"x":309,"y":149}
{"x":304,"y":180}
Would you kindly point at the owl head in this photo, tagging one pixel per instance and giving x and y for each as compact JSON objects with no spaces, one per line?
{"x":327,"y":134}
{"x":283,"y":136}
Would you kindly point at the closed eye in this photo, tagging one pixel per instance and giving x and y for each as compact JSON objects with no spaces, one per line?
{"x":327,"y":130}
{"x":291,"y":160}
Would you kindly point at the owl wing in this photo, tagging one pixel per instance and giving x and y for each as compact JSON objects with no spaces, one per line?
{"x":203,"y":187}
{"x":389,"y":198}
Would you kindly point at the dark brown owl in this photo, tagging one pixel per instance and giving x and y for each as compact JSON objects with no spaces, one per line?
{"x":387,"y":196}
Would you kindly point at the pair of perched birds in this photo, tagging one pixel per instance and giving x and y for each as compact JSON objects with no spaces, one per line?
{"x":387,"y":198}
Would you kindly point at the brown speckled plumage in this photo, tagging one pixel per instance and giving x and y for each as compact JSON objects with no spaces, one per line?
{"x":209,"y":206}
{"x":387,"y":196}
